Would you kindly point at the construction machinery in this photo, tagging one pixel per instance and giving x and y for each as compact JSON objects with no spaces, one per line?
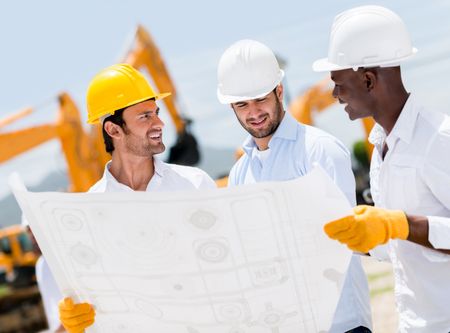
{"x":17,"y":258}
{"x":145,"y":54}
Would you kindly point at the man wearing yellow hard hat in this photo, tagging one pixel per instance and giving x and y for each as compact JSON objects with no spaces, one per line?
{"x":410,"y":166}
{"x":121,"y":99}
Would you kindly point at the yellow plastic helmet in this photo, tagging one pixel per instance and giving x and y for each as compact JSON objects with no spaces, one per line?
{"x":117,"y":87}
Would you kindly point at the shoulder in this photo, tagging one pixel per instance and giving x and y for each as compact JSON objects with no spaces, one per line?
{"x":318,"y":141}
{"x":99,"y":186}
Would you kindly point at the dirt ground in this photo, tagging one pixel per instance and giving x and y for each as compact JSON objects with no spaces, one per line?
{"x":381,"y":285}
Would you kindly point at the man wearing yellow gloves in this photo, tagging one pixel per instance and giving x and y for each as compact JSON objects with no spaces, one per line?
{"x":122,"y":100}
{"x":410,"y":166}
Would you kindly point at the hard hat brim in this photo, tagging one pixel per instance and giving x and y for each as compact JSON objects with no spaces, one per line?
{"x":99,"y":119}
{"x":228,"y":99}
{"x":323,"y":65}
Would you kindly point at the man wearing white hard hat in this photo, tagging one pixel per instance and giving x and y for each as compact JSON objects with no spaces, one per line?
{"x":279,"y":148}
{"x":410,"y":166}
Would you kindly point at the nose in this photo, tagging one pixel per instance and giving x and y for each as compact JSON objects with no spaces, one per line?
{"x":159,"y":123}
{"x":335,"y":91}
{"x":253,"y":110}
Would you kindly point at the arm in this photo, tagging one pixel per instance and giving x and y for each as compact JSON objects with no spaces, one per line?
{"x":419,"y":232}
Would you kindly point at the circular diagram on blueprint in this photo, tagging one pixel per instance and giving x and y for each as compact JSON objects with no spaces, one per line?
{"x":140,"y":242}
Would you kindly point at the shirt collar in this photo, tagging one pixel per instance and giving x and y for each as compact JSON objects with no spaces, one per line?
{"x":403,"y":128}
{"x":406,"y":122}
{"x":160,"y":166}
{"x":111,"y":181}
{"x":287,"y":130}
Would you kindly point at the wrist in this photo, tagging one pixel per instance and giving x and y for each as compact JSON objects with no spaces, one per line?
{"x":399,"y":225}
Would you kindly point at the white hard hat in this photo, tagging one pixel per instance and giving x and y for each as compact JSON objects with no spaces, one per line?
{"x":366,"y":36}
{"x":247,"y":70}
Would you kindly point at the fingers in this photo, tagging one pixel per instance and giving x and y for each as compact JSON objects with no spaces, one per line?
{"x":79,"y":322}
{"x":76,"y":310}
{"x":75,"y":317}
{"x":337,"y":228}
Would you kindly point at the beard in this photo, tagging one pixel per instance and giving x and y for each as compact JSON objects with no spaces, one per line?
{"x":143,"y":146}
{"x":272,"y":123}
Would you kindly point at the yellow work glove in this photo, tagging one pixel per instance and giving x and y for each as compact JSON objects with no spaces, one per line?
{"x":75,"y":317}
{"x":368,"y":227}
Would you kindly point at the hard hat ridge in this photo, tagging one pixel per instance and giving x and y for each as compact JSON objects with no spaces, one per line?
{"x":366,"y":36}
{"x":247,"y":70}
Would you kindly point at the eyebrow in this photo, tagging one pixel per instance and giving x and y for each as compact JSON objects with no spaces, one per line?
{"x":149,"y":111}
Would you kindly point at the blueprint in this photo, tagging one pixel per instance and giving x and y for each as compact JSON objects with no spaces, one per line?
{"x":249,"y":259}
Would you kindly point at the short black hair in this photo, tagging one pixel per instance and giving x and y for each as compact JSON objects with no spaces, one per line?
{"x":116,"y":118}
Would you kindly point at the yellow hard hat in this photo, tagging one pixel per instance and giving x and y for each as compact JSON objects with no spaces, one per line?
{"x":117,"y":87}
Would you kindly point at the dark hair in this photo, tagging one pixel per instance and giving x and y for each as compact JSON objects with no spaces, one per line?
{"x":116,"y":118}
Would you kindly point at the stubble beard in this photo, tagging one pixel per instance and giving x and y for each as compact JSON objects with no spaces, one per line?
{"x":271,"y":127}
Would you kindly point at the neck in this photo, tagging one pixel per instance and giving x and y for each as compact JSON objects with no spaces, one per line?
{"x":390,"y":108}
{"x":132,"y":171}
{"x":263,"y":143}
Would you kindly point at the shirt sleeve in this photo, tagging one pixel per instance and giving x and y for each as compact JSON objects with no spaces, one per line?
{"x":436,"y":173}
{"x":50,"y":293}
{"x":334,"y":158}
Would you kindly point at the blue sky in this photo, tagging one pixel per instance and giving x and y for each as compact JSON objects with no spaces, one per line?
{"x":50,"y":46}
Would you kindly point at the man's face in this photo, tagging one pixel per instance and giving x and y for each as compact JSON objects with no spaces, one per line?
{"x":260,"y":117}
{"x":143,"y":129}
{"x":350,"y":88}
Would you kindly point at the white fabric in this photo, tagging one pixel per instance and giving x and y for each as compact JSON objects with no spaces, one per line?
{"x":415,"y":177}
{"x":49,"y":292}
{"x":294,"y":149}
{"x":167,"y":177}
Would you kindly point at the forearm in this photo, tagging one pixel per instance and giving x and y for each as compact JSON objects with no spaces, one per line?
{"x":419,"y":231}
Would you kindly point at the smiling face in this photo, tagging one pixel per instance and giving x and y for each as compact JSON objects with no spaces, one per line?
{"x":142,"y":133}
{"x":261,"y":117}
{"x":352,"y":88}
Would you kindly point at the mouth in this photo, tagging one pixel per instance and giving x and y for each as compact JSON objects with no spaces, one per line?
{"x":157,"y":137}
{"x":258,"y":122}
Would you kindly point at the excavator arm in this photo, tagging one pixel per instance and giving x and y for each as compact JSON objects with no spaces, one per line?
{"x":84,"y":164}
{"x":145,"y":54}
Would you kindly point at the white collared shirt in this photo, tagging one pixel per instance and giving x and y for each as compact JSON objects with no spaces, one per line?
{"x":167,"y":177}
{"x":293,"y":150}
{"x":415,"y":177}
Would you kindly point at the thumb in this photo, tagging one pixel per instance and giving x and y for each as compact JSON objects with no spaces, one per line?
{"x":68,"y":303}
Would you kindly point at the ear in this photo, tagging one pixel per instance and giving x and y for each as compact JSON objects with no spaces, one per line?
{"x":370,"y":79}
{"x":279,"y":91}
{"x":113,"y":130}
